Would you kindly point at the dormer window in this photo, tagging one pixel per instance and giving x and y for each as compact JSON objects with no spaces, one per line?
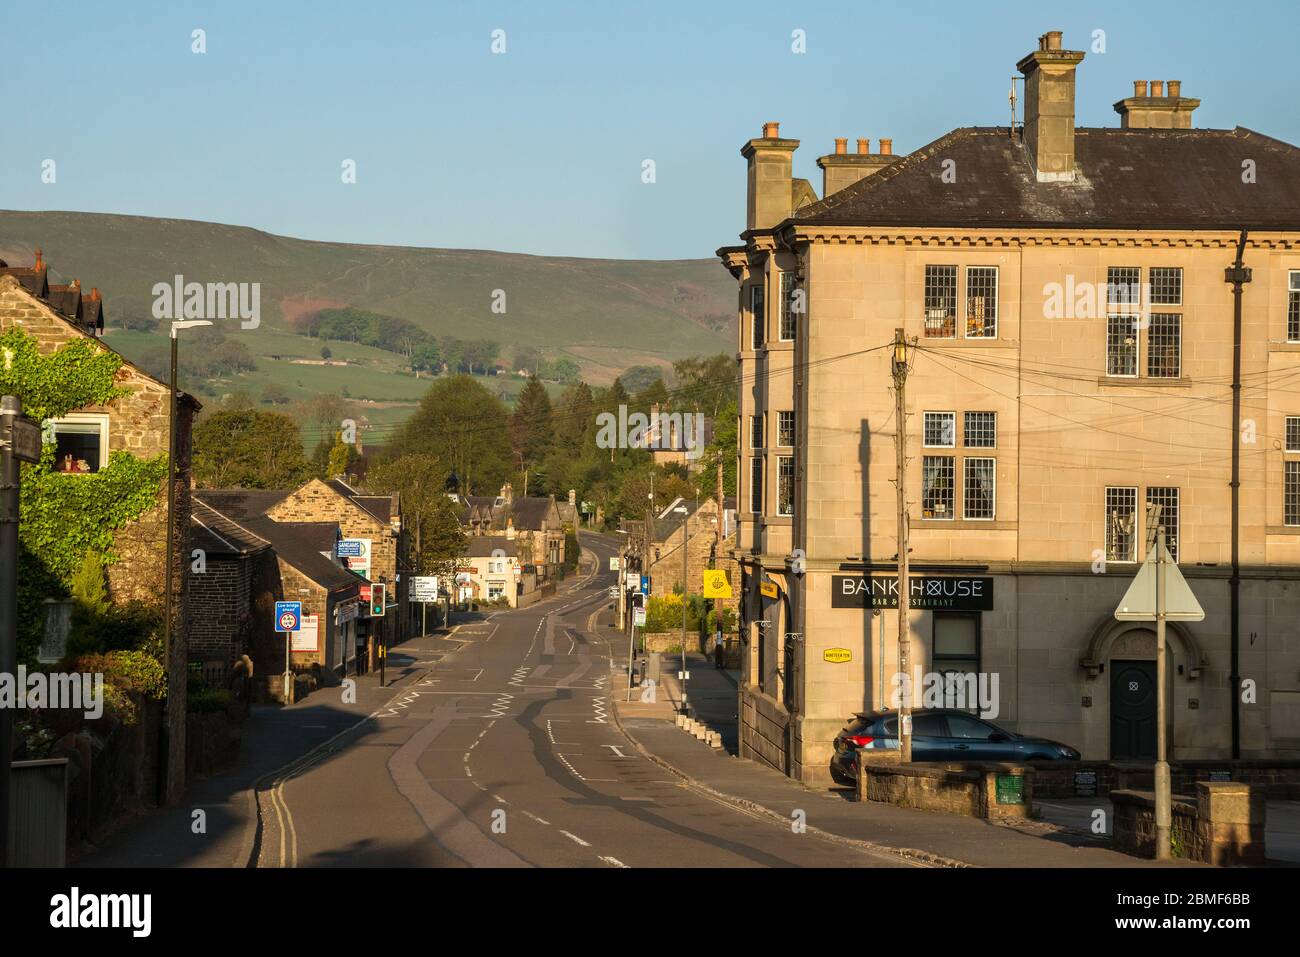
{"x":80,"y":442}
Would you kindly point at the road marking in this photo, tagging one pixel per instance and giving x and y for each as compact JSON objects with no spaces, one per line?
{"x":615,"y":749}
{"x":575,"y":838}
{"x":534,"y":817}
{"x":612,"y":861}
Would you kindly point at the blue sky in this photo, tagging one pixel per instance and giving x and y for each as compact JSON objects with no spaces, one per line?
{"x":540,"y":149}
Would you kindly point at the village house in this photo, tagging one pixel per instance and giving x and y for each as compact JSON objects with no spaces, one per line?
{"x":1043,"y":425}
{"x":85,"y":440}
{"x":534,"y":521}
{"x":492,"y":570}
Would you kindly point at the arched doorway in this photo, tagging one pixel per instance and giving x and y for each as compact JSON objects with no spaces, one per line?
{"x":1124,"y":653}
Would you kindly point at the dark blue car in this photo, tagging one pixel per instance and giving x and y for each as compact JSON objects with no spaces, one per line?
{"x":938,"y":734}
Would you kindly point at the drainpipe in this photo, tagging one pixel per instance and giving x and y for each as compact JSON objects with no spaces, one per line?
{"x":1238,"y":275}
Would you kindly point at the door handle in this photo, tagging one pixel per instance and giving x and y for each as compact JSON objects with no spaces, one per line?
{"x":962,"y":747}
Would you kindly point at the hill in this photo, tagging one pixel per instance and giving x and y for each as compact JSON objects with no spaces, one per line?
{"x":606,"y":315}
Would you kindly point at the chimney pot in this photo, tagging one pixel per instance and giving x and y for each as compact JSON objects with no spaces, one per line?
{"x":771,"y":131}
{"x":1139,"y":87}
{"x":886,"y":147}
{"x":1175,"y":87}
{"x":1157,"y":88}
{"x":841,"y":146}
{"x":1050,"y":40}
{"x":864,"y":146}
{"x":40,"y":264}
{"x":94,"y":292}
{"x":75,"y":284}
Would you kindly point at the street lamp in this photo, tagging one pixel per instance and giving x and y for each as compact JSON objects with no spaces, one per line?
{"x":177,"y":325}
{"x":681,"y":510}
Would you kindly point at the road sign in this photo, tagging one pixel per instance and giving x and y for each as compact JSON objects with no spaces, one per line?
{"x":768,"y":589}
{"x":613,"y":591}
{"x":613,"y":563}
{"x":424,"y":588}
{"x":716,"y":584}
{"x":25,"y":439}
{"x":288,"y":615}
{"x":307,"y":637}
{"x":638,"y":617}
{"x":645,"y":584}
{"x":1139,"y":602}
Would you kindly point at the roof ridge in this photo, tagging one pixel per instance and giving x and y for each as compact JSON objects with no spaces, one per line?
{"x":229,"y":519}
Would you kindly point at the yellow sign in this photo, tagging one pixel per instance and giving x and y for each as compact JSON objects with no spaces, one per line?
{"x":768,"y":589}
{"x":716,"y":584}
{"x":837,"y":656}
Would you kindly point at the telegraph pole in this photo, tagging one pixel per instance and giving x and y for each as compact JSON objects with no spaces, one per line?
{"x":904,"y":596}
{"x":717,"y":561}
{"x":1164,"y":811}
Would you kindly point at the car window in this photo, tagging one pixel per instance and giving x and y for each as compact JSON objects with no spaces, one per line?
{"x":960,"y":726}
{"x":891,"y":727}
{"x":929,"y":726}
{"x":857,"y":726}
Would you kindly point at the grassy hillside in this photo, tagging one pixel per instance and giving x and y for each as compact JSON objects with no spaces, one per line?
{"x":607,"y":315}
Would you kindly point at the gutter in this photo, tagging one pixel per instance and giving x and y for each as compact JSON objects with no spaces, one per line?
{"x":1237,"y":274}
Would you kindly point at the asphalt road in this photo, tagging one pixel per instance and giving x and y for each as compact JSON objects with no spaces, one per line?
{"x":498,"y":750}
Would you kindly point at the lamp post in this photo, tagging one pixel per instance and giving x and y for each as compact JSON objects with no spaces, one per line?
{"x":172,"y":439}
{"x":681,"y":510}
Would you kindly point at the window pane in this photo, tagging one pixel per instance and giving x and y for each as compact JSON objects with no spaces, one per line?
{"x":940,"y":302}
{"x":937,"y":486}
{"x":789,"y":306}
{"x":785,"y":485}
{"x":1121,"y":346}
{"x":1121,"y":512}
{"x":1168,"y":498}
{"x":1124,"y":289}
{"x":940,"y":429}
{"x":929,"y":726}
{"x":756,"y":431}
{"x":1166,"y":286}
{"x":756,"y":309}
{"x":77,"y":447}
{"x":756,"y":484}
{"x":954,"y":636}
{"x":1165,"y":346}
{"x":1293,"y":433}
{"x":982,"y":302}
{"x":980,"y":430}
{"x":979,"y":485}
{"x":960,"y":726}
{"x":1291,"y":494}
{"x":1293,"y":307}
{"x":785,"y":429}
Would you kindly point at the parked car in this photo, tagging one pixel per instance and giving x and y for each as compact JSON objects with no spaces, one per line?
{"x":938,"y":734}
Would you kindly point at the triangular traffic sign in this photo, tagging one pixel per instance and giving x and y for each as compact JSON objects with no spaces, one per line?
{"x":1139,"y":602}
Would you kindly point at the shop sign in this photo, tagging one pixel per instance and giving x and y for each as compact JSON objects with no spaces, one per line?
{"x":957,"y":592}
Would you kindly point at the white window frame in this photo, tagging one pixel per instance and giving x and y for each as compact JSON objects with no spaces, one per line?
{"x":950,"y":513}
{"x":989,"y":321}
{"x":1173,"y":530}
{"x":780,"y":415}
{"x":1151,"y":285}
{"x":1106,"y":531}
{"x":952,"y":419}
{"x":1293,"y":304}
{"x":965,"y":490}
{"x":1291,"y":420}
{"x":932,"y":269}
{"x":99,"y":419}
{"x":966,"y":430}
{"x":787,"y":286}
{"x":781,"y":462}
{"x":1291,"y":490}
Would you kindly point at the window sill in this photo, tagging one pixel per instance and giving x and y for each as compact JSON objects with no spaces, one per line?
{"x":1293,"y":530}
{"x":1144,"y":382}
{"x":961,"y":342}
{"x":965,"y":524}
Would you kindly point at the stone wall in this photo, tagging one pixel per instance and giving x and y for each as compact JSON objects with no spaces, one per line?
{"x":1222,"y":825}
{"x":764,"y":729}
{"x":969,"y":790}
{"x":220,"y":608}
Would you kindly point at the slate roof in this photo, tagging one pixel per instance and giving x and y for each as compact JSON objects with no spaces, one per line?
{"x":217,"y":534}
{"x":482,"y":546}
{"x":297,"y":546}
{"x":528,"y":513}
{"x":379,"y":506}
{"x":1128,"y":179}
{"x":240,"y":503}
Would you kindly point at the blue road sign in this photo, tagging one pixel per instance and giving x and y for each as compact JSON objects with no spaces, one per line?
{"x":645,"y":584}
{"x":288,"y":615}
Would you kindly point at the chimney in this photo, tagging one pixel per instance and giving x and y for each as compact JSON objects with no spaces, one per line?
{"x":573,"y":496}
{"x":40,"y":262}
{"x":842,"y":168}
{"x":508,"y":493}
{"x":1049,"y":108}
{"x":94,"y":293}
{"x":1157,"y":111}
{"x":770,"y":193}
{"x":75,"y":284}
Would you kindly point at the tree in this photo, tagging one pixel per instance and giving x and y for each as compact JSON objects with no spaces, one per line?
{"x":275,"y":395}
{"x":705,"y":384}
{"x":527,"y":359}
{"x":427,"y":357}
{"x":247,"y":448}
{"x":437,"y":539}
{"x":465,"y":426}
{"x":531,"y":432}
{"x":639,"y":378}
{"x":325,"y":352}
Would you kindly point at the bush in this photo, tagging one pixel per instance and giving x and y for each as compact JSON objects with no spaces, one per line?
{"x":210,"y":700}
{"x":129,"y":676}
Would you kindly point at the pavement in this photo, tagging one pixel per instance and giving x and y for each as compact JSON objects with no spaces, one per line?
{"x":924,"y":836}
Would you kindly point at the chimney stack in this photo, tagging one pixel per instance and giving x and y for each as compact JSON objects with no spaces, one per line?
{"x":94,"y":293}
{"x":1049,"y":108}
{"x":770,"y":191}
{"x":40,"y":262}
{"x":1156,"y":111}
{"x":842,"y":168}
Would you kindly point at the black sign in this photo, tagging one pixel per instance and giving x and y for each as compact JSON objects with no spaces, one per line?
{"x":960,"y":592}
{"x":1085,"y":783}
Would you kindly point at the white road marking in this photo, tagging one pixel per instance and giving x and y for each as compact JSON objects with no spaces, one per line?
{"x":612,"y":861}
{"x":575,"y":838}
{"x":615,"y":749}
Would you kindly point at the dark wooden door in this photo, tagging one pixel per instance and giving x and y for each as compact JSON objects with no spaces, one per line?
{"x":1133,"y":710}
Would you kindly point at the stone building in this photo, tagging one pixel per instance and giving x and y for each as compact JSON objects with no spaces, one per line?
{"x":84,"y":440}
{"x":1067,"y":295}
{"x":249,"y":562}
{"x":534,"y":521}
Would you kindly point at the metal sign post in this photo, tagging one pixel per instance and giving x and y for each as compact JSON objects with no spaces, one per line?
{"x":288,"y":619}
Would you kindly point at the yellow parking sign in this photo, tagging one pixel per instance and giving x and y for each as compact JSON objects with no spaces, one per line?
{"x":716,"y":584}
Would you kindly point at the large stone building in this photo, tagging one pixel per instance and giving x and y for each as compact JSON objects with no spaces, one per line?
{"x":1068,"y":299}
